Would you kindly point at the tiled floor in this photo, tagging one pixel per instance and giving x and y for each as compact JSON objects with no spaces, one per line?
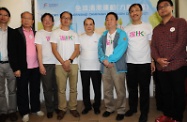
{"x":91,"y":117}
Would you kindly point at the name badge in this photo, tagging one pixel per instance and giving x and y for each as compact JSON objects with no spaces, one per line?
{"x":172,"y":29}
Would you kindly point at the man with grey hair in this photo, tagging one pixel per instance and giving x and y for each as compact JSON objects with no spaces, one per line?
{"x":24,"y":62}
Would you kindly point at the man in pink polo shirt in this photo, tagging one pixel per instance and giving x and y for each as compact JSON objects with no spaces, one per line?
{"x":24,"y":62}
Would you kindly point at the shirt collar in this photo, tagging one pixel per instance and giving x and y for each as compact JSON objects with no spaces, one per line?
{"x":111,"y":35}
{"x":170,"y":20}
{"x":26,"y":30}
{"x":3,"y":30}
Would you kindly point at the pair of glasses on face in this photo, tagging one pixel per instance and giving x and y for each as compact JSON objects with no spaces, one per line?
{"x":4,"y":15}
{"x":163,"y":7}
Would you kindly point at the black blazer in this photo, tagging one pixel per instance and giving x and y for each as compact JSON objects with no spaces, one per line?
{"x":17,"y":55}
{"x":10,"y":39}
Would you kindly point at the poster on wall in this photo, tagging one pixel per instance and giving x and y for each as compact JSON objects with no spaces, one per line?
{"x":96,"y":9}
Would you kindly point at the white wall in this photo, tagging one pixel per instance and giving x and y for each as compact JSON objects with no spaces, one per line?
{"x":183,"y":8}
{"x":16,"y":7}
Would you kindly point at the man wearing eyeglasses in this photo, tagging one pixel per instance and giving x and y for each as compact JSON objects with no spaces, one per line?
{"x":6,"y":36}
{"x":169,"y":51}
{"x":65,"y":47}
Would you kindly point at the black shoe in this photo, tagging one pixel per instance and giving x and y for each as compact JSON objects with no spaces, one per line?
{"x":49,"y":114}
{"x":13,"y":116}
{"x":57,"y":111}
{"x":86,"y":110}
{"x":106,"y":113}
{"x":3,"y":117}
{"x":97,"y":111}
{"x":159,"y":109}
{"x":61,"y":114}
{"x":120,"y":116}
{"x":143,"y":118}
{"x":130,"y":113}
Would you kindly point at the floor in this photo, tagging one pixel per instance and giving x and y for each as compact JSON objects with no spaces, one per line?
{"x":91,"y":117}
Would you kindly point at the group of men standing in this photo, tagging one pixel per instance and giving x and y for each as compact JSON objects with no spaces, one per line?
{"x":118,"y":54}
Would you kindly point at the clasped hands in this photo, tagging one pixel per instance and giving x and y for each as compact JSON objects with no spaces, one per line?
{"x":66,"y":66}
{"x":163,"y":62}
{"x":108,"y":64}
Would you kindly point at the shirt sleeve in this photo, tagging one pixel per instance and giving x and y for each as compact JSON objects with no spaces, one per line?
{"x":120,"y":49}
{"x":77,"y":41}
{"x":38,"y":39}
{"x":181,"y":39}
{"x":150,"y":32}
{"x":53,"y":37}
{"x":154,"y":53}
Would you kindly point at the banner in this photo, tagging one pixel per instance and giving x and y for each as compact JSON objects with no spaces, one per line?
{"x":96,"y":9}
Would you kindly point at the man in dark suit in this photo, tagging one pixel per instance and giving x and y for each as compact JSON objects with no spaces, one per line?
{"x":6,"y":36}
{"x":23,"y":59}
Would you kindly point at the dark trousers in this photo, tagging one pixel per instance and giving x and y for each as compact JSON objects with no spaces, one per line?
{"x":158,"y":91}
{"x":50,"y":88}
{"x":173,"y":89}
{"x":139,"y":74}
{"x":96,"y":82}
{"x":30,"y":78}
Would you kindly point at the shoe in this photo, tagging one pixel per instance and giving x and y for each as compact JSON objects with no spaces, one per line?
{"x":40,"y":113}
{"x":57,"y":110}
{"x":106,"y":113}
{"x":49,"y":114}
{"x":86,"y":110}
{"x":163,"y":118}
{"x":159,"y":109}
{"x":61,"y":114}
{"x":75,"y":113}
{"x":13,"y":116}
{"x":3,"y":117}
{"x":25,"y":118}
{"x":120,"y":116}
{"x":97,"y":111}
{"x":130,"y":113}
{"x":143,"y":118}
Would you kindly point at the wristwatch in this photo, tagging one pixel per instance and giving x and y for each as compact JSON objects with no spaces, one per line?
{"x":71,"y":60}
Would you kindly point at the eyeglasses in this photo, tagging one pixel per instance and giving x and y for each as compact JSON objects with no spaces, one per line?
{"x":164,"y":6}
{"x":4,"y":15}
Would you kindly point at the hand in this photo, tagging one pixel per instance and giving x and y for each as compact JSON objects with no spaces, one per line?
{"x":17,"y":73}
{"x":163,"y":62}
{"x":42,"y":70}
{"x":152,"y":66}
{"x":66,"y":66}
{"x":106,"y":63}
{"x":110,"y":65}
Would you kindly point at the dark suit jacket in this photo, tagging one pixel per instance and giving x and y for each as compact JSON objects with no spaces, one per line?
{"x":10,"y":39}
{"x":17,"y":55}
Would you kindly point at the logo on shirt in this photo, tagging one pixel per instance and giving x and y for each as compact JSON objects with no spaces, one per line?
{"x":109,"y":42}
{"x":47,"y":38}
{"x":66,"y":38}
{"x":136,"y":34}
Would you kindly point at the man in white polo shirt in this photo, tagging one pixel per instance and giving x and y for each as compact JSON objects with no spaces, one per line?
{"x":90,"y":66}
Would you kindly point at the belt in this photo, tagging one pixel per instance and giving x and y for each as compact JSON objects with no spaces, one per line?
{"x":3,"y":62}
